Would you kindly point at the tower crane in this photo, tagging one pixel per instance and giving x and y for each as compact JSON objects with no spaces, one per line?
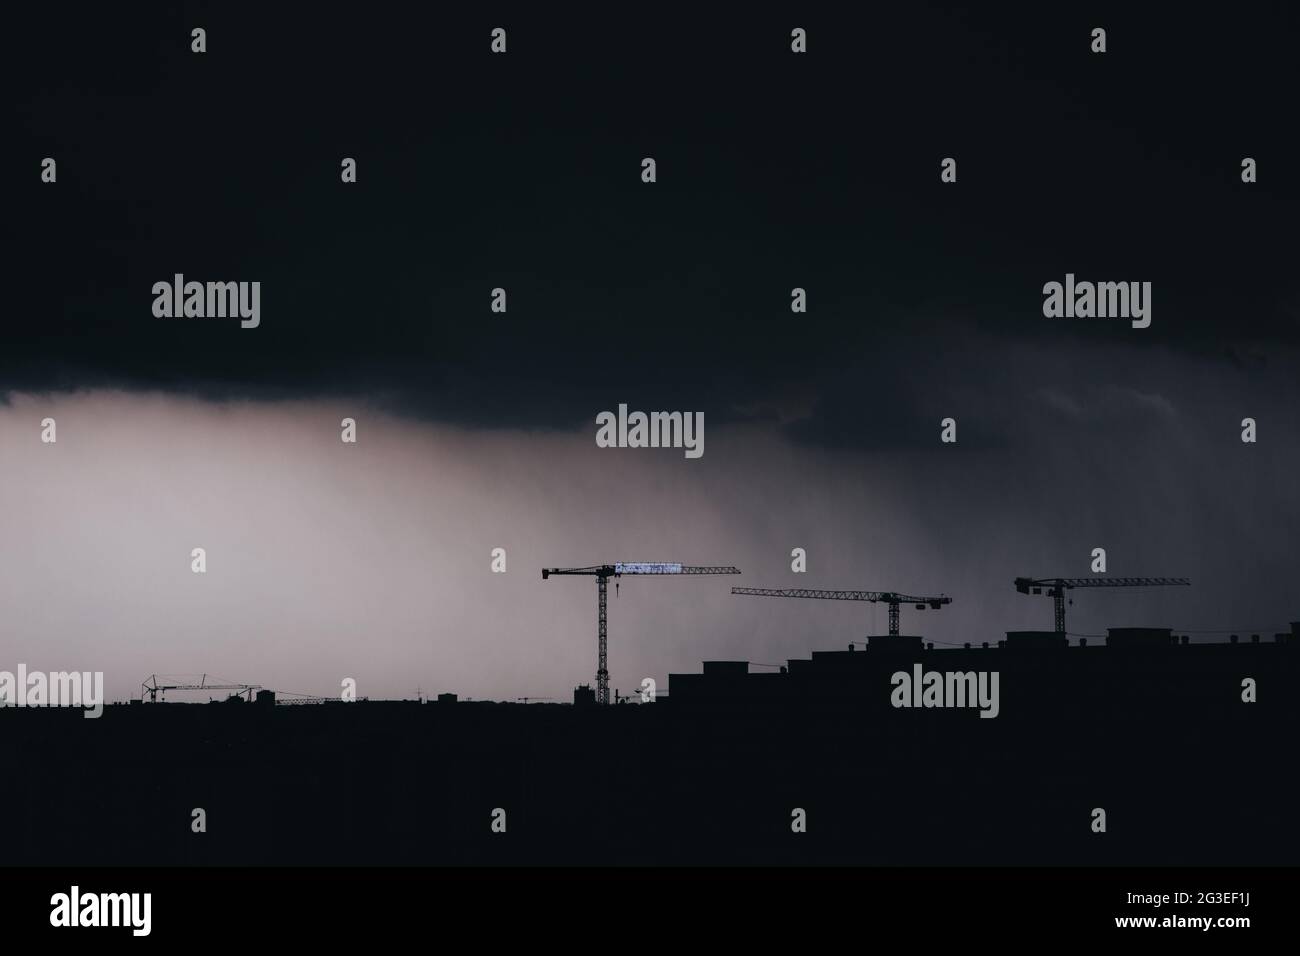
{"x":892,"y":598}
{"x":151,"y":687}
{"x":602,"y":573}
{"x":1056,"y":588}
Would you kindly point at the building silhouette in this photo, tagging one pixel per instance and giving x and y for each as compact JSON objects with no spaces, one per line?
{"x":1147,"y":725}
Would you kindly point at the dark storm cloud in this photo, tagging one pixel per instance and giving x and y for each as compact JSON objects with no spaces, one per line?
{"x":521,"y":172}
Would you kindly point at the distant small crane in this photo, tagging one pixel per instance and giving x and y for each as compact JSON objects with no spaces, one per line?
{"x":151,"y":687}
{"x":892,"y":598}
{"x":1056,"y":588}
{"x":602,"y":573}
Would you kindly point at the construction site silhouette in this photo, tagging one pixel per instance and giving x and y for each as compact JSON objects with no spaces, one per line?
{"x":1156,"y":730}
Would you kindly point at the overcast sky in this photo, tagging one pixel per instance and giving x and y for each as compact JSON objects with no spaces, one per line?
{"x":476,"y":430}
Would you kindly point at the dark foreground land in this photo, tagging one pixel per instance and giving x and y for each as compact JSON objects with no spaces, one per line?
{"x":1156,"y":734}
